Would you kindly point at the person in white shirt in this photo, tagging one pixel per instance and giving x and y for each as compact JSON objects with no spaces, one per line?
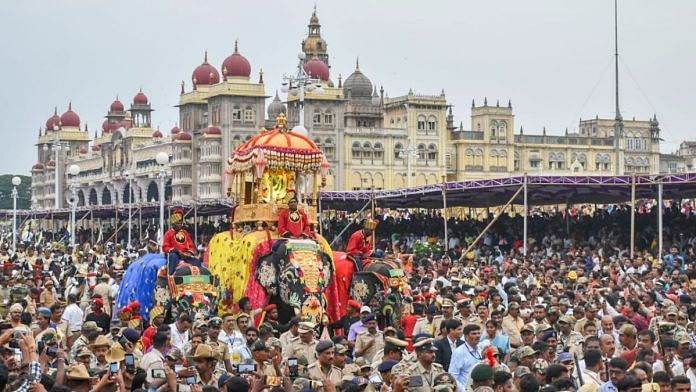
{"x":180,"y":331}
{"x":154,"y":359}
{"x":74,"y":315}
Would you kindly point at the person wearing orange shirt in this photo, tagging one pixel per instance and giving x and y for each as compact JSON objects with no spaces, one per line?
{"x":360,"y":245}
{"x":293,"y":222}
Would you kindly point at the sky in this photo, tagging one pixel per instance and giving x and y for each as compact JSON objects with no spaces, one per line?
{"x":553,"y":59}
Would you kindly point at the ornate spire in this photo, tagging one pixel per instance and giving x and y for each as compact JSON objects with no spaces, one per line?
{"x":510,"y":104}
{"x":461,"y":125}
{"x":86,"y":128}
{"x":544,"y":131}
{"x":236,"y":46}
{"x":497,"y":103}
{"x":357,"y":64}
{"x":340,"y":81}
{"x":70,"y":106}
{"x":261,"y":76}
{"x":39,"y":131}
{"x":182,"y":87}
{"x":473,"y":103}
{"x":205,"y":57}
{"x":521,"y":130}
{"x":55,"y":110}
{"x":485,"y":101}
{"x":566,"y":131}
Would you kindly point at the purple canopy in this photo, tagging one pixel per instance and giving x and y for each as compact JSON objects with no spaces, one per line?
{"x":541,"y":190}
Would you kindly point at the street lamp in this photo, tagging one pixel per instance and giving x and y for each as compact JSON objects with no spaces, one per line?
{"x":56,"y":147}
{"x":162,"y":159}
{"x":408,"y":153}
{"x":73,"y":170}
{"x":297,"y":84}
{"x":15,"y":183}
{"x":127,"y":175}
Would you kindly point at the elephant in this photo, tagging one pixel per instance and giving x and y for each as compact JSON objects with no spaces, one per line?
{"x":381,"y":282}
{"x":190,"y":289}
{"x":297,"y":275}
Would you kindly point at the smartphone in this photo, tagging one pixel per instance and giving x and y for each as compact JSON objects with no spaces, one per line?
{"x":292,"y":365}
{"x":113,"y":367}
{"x":190,"y":380}
{"x":130,"y":362}
{"x":178,"y":367}
{"x":158,"y":373}
{"x":272,"y":381}
{"x":40,"y":346}
{"x":243,"y":368}
{"x":415,"y":382}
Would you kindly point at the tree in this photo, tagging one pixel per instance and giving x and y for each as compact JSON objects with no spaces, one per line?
{"x":23,"y":192}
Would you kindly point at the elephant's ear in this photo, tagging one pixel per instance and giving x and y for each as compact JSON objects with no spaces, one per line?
{"x":364,"y":287}
{"x":267,"y":275}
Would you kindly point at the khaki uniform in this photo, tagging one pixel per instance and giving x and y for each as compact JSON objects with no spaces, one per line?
{"x":475,"y":319}
{"x":285,"y":338}
{"x":364,"y":338}
{"x":31,"y":305}
{"x":222,"y":353}
{"x":427,"y":376}
{"x":266,"y":368}
{"x":512,"y":327}
{"x":298,"y":348}
{"x":47,"y":298}
{"x":424,"y":326}
{"x":316,"y":373}
{"x":580,"y":325}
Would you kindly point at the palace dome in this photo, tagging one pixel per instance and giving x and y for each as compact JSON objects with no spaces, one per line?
{"x":116,"y":106}
{"x":183,"y":136}
{"x":140,"y":99}
{"x":317,"y":69}
{"x":275,"y":107}
{"x":174,"y":130}
{"x":157,"y":134}
{"x":357,"y":84}
{"x":205,"y":73}
{"x":96,"y":147}
{"x":236,"y":65}
{"x":212,"y":130}
{"x":53,"y":121}
{"x":37,"y":166}
{"x":70,"y":118}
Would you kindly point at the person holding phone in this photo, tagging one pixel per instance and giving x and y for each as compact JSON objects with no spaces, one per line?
{"x":262,"y":354}
{"x":422,"y":374}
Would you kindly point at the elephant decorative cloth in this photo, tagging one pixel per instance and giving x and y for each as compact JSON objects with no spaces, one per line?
{"x":139,"y":283}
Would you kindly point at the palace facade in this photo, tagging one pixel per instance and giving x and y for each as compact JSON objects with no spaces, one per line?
{"x":370,"y":139}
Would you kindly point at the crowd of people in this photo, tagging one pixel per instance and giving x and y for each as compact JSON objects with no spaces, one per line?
{"x":577,"y":313}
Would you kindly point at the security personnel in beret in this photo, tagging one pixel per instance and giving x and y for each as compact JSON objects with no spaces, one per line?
{"x":262,"y":354}
{"x":323,"y":367}
{"x":393,"y":351}
{"x":302,"y":345}
{"x":425,"y":366}
{"x":369,"y":341}
{"x":385,"y":375}
{"x":567,"y":338}
{"x":427,"y":324}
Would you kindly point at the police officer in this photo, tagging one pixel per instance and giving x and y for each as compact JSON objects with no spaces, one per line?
{"x":304,"y":344}
{"x":425,"y":366}
{"x":323,"y":368}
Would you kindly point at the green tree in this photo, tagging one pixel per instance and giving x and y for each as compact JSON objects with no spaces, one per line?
{"x":23,"y":192}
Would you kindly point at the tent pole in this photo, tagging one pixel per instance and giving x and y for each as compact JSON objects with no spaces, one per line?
{"x":490,"y":224}
{"x":659,"y":220}
{"x":195,"y":224}
{"x":524,"y":218}
{"x":444,"y":210}
{"x":633,"y":214}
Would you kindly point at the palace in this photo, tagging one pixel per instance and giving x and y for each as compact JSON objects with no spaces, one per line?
{"x":371,"y":140}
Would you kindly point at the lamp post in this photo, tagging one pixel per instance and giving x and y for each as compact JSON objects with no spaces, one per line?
{"x":73,"y":170}
{"x":127,"y":175}
{"x":408,"y":153}
{"x":297,"y":84}
{"x":56,"y":147}
{"x":15,"y":183}
{"x":162,"y":159}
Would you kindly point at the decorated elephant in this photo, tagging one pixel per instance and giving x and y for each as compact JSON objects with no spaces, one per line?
{"x":190,"y":289}
{"x":382,"y":282}
{"x":297,"y":275}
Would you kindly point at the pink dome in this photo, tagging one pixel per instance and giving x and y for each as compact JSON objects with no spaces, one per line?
{"x":205,"y":74}
{"x":236,"y":65}
{"x":157,"y":134}
{"x":140,"y":99}
{"x":116,"y":106}
{"x":212,"y":130}
{"x":51,"y":164}
{"x":183,"y":136}
{"x":83,"y":150}
{"x":105,"y":126}
{"x":37,"y":166}
{"x":317,"y":69}
{"x":53,"y":121}
{"x":70,"y":118}
{"x":175,"y":130}
{"x":96,"y":147}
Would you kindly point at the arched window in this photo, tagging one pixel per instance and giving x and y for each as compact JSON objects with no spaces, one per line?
{"x":502,"y":129}
{"x":367,"y":150}
{"x":398,"y":150}
{"x":249,"y":114}
{"x":421,"y":123}
{"x":237,"y":113}
{"x":494,"y":129}
{"x":328,"y":118}
{"x":356,"y":150}
{"x":329,"y":147}
{"x":379,"y":150}
{"x":421,"y":151}
{"x":432,"y":152}
{"x":316,"y":118}
{"x":317,"y":141}
{"x":432,"y":124}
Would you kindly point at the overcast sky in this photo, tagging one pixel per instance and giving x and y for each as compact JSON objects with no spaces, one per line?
{"x":552,"y":58}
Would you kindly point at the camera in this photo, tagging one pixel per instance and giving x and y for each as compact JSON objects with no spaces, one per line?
{"x":243,"y":368}
{"x":292,"y":366}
